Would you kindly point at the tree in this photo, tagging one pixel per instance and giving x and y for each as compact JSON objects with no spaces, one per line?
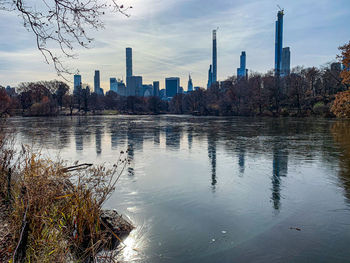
{"x":5,"y":102}
{"x":341,"y":105}
{"x":345,"y":59}
{"x":61,"y":24}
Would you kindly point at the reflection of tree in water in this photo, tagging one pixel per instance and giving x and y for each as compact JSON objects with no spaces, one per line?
{"x":279,"y":169}
{"x":341,"y":135}
{"x":212,"y":158}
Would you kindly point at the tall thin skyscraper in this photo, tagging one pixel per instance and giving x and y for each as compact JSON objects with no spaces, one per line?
{"x":97,"y":88}
{"x":286,"y":61}
{"x":210,"y":76}
{"x":242,"y":70}
{"x":128,"y":64}
{"x":214,"y":77}
{"x":189,"y":84}
{"x":279,"y":43}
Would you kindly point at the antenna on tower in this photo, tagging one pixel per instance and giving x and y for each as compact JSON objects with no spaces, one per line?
{"x":281,"y":9}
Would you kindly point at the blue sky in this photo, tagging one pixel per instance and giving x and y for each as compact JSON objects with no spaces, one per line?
{"x":173,"y":38}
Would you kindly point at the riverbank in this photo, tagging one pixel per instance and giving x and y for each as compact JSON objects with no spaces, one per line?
{"x":54,"y":213}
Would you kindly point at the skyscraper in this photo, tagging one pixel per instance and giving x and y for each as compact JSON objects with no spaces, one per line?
{"x":279,"y":43}
{"x":128,"y":64}
{"x":214,"y":78}
{"x":285,"y":61}
{"x":77,"y":83}
{"x":189,"y":84}
{"x":97,"y":88}
{"x":210,"y":76}
{"x":242,"y":70}
{"x":113,"y":85}
{"x":172,"y":86}
{"x":134,"y":86}
{"x":156,"y":88}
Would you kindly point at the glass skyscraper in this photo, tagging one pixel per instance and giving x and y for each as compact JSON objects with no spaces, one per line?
{"x":77,"y":83}
{"x":97,"y":87}
{"x":242,"y":70}
{"x":279,"y":43}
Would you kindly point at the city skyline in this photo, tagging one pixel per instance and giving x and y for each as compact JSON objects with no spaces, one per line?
{"x":252,"y":30}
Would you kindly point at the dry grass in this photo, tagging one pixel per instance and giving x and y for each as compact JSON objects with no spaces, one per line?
{"x":54,"y":211}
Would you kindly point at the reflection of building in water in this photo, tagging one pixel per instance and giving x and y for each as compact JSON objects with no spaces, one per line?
{"x":98,"y":136}
{"x":212,"y":158}
{"x":78,"y":134}
{"x":156,"y":135}
{"x":241,"y":158}
{"x":190,"y":137}
{"x":172,"y":137}
{"x":280,"y":169}
{"x":118,"y":137}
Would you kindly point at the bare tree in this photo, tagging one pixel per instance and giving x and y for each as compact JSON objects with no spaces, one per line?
{"x":61,"y":23}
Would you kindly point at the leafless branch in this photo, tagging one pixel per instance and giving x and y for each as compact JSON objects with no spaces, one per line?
{"x":62,"y":24}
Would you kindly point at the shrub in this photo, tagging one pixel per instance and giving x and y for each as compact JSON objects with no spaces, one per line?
{"x":55,"y":211}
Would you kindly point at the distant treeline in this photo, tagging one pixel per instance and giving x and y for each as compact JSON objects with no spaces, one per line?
{"x":305,"y":92}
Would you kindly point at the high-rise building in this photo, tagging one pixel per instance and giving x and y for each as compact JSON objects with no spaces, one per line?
{"x":210,"y":77}
{"x":97,"y":87}
{"x":77,"y":83}
{"x":147,"y":90}
{"x":279,"y":43}
{"x":134,"y":86}
{"x":285,"y":61}
{"x":242,"y":70}
{"x":113,"y":85}
{"x":128,"y":64}
{"x":172,"y":86}
{"x":156,"y":88}
{"x":214,"y":78}
{"x":212,"y":73}
{"x":189,"y":84}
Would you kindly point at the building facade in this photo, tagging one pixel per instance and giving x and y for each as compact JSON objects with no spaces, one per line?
{"x":172,"y":86}
{"x":128,"y":64}
{"x":97,"y":83}
{"x":113,"y":85}
{"x":134,"y":86}
{"x":156,"y":88}
{"x":285,"y":61}
{"x":77,"y":83}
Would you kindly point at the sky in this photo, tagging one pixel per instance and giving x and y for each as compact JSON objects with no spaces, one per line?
{"x":173,"y":38}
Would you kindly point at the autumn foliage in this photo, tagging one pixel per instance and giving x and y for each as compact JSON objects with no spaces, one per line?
{"x":345,"y":59}
{"x":341,"y":105}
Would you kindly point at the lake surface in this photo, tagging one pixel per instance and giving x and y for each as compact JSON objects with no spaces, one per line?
{"x":211,"y":189}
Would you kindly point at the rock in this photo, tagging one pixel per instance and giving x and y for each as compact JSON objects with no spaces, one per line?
{"x":117,"y":228}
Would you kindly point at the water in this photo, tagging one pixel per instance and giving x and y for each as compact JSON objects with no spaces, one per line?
{"x":210,"y":189}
